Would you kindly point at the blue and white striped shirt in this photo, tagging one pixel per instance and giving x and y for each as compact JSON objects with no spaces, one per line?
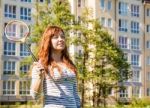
{"x":59,"y":91}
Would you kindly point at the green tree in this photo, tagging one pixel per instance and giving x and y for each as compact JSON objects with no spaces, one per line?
{"x":101,"y":62}
{"x":57,"y":13}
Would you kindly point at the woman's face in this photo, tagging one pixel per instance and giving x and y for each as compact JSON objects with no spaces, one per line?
{"x":58,"y":42}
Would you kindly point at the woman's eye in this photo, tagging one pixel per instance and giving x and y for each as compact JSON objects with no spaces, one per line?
{"x":63,"y":36}
{"x":55,"y":37}
{"x":60,"y":36}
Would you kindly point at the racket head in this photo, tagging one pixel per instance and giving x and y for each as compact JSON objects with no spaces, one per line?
{"x":17,"y":31}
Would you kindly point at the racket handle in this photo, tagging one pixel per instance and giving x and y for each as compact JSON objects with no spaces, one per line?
{"x":33,"y":56}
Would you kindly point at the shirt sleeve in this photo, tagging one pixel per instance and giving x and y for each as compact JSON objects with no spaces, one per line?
{"x":76,"y":94}
{"x":34,"y":79}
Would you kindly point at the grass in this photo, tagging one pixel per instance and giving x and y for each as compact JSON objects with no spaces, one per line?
{"x":20,"y":106}
{"x":40,"y":106}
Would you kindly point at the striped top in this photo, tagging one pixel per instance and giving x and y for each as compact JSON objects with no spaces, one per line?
{"x":59,"y":91}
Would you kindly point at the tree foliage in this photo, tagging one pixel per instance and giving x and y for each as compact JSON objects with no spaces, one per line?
{"x":57,"y":13}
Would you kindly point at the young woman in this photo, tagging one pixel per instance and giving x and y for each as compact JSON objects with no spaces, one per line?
{"x":57,"y":71}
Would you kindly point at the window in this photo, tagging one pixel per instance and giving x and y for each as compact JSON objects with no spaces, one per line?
{"x":136,"y":76}
{"x":148,"y":28}
{"x":24,"y":67}
{"x":134,"y":27}
{"x":148,"y":12}
{"x":79,"y":3}
{"x":25,"y":13}
{"x":135,"y":59}
{"x":148,"y":60}
{"x":80,"y":53}
{"x":9,"y":48}
{"x":123,"y":8}
{"x":79,"y":19}
{"x":136,"y":91}
{"x":123,"y":25}
{"x":9,"y":67}
{"x":10,"y":11}
{"x":42,"y":1}
{"x":148,"y":44}
{"x":109,"y":23}
{"x":123,"y":42}
{"x":29,"y":1}
{"x":109,"y":5}
{"x":8,"y":87}
{"x":148,"y":91}
{"x":123,"y":93}
{"x":24,"y":88}
{"x":125,"y":56}
{"x":102,"y":4}
{"x":12,"y":29}
{"x":103,"y":21}
{"x":23,"y":50}
{"x":135,"y":10}
{"x":148,"y":76}
{"x":135,"y":43}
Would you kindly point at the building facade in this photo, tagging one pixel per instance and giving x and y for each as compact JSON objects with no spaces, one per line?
{"x":128,"y":23}
{"x":13,"y":86}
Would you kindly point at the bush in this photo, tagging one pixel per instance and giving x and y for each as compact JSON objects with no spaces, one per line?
{"x":144,"y":102}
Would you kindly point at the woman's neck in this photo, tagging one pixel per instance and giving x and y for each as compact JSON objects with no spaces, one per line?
{"x":57,"y":56}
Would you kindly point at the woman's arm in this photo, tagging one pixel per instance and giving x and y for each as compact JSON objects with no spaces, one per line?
{"x":36,"y":81}
{"x":76,"y":94}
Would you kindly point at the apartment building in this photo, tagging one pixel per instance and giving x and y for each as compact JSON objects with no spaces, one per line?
{"x":13,"y":87}
{"x":128,"y":23}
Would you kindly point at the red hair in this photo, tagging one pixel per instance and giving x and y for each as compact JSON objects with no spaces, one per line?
{"x":45,"y":51}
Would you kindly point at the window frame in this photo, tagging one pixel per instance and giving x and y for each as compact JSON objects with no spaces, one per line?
{"x":123,"y":93}
{"x":24,"y":52}
{"x":135,"y":59}
{"x":25,"y":13}
{"x":10,"y":11}
{"x":9,"y":48}
{"x":136,"y":90}
{"x":27,"y":1}
{"x":123,"y":8}
{"x":123,"y":42}
{"x":135,"y":9}
{"x":9,"y":67}
{"x":123,"y":24}
{"x":135,"y":27}
{"x":9,"y":88}
{"x":135,"y":43}
{"x":136,"y":76}
{"x":24,"y":88}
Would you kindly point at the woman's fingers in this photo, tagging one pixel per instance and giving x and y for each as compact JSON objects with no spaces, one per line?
{"x":38,"y":66}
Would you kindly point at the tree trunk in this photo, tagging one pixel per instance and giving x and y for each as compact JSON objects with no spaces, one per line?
{"x":83,"y":93}
{"x":94,"y":99}
{"x":104,"y":96}
{"x":99,"y":96}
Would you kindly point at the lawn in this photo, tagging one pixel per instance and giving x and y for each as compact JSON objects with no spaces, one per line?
{"x":20,"y":106}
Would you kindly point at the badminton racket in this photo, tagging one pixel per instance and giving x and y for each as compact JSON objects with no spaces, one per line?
{"x":18,"y":31}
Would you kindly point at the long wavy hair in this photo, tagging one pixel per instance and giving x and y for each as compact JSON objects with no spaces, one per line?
{"x":45,"y":51}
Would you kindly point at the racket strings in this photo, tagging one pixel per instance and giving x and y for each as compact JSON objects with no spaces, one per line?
{"x":16,"y":30}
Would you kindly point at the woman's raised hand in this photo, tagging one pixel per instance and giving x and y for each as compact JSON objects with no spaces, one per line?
{"x":38,"y":67}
